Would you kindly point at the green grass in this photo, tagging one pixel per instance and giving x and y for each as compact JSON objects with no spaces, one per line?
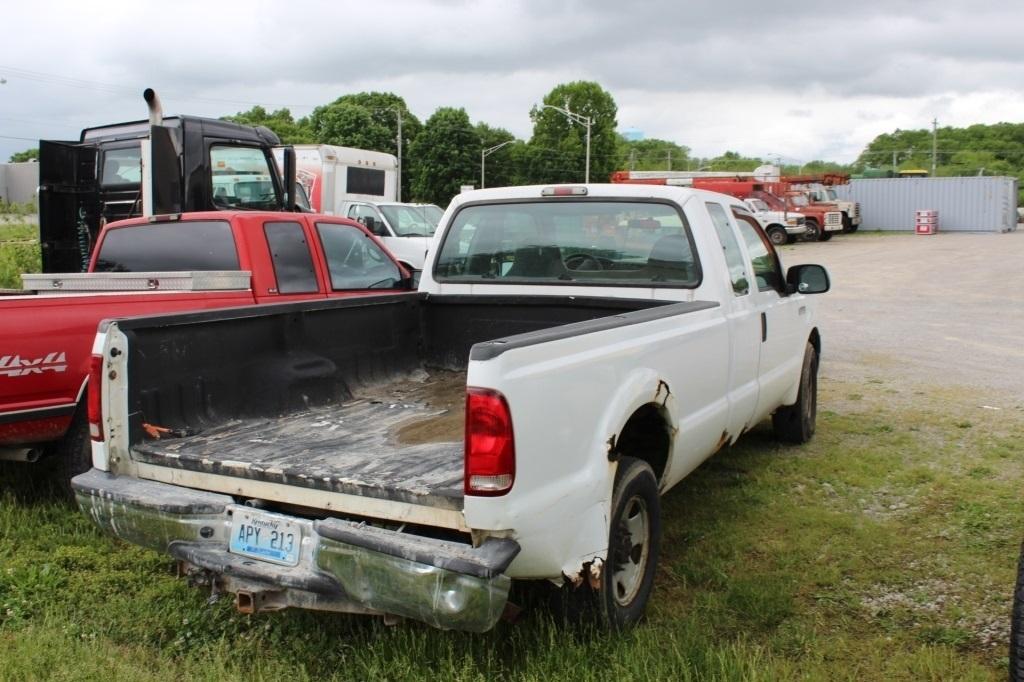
{"x":883,"y":550}
{"x":19,"y":253}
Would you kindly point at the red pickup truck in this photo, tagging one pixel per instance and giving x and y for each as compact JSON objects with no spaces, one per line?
{"x":142,"y":266}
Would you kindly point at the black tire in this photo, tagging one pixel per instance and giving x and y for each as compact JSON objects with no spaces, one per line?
{"x":1017,"y":626}
{"x":629,"y":571}
{"x":72,"y":454}
{"x":825,"y":236}
{"x":853,"y":228}
{"x":813,"y":231}
{"x":847,"y":224}
{"x":778,"y":235}
{"x":795,"y":423}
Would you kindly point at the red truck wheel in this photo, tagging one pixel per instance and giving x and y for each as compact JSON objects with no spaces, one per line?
{"x":813,"y":230}
{"x":72,"y":454}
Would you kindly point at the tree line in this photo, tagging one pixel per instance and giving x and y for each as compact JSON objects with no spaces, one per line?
{"x":443,"y":153}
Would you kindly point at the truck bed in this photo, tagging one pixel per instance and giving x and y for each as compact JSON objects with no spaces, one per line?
{"x":400,"y":440}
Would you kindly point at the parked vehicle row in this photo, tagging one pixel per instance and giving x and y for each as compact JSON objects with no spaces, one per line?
{"x":570,"y":354}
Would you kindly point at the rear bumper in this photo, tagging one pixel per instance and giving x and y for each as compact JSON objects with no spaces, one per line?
{"x":343,"y":566}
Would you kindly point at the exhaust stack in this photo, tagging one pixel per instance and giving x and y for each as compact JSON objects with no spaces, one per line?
{"x":156,"y":110}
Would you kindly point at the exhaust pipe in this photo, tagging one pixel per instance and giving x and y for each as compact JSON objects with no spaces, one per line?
{"x":20,"y":454}
{"x":156,"y":110}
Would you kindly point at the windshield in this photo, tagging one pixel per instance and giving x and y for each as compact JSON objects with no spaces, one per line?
{"x":412,"y":221}
{"x":242,"y":178}
{"x":757,"y":205}
{"x":832,"y":194}
{"x":564,"y":242}
{"x":797,"y":199}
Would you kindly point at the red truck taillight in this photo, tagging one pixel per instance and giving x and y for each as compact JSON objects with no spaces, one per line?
{"x":490,"y":446}
{"x":93,"y":402}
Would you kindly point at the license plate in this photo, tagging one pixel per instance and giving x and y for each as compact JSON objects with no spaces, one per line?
{"x":267,"y":537}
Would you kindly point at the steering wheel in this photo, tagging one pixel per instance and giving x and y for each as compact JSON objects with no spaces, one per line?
{"x":583,"y":261}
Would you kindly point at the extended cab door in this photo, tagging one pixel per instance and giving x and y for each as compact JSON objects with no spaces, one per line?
{"x":744,"y":326}
{"x":782,"y":316}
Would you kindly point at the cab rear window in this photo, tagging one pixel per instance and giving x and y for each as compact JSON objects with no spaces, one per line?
{"x":586,"y":242}
{"x":169,"y":247}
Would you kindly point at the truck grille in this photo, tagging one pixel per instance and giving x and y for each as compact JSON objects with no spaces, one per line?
{"x":856,"y":209}
{"x":833,"y":218}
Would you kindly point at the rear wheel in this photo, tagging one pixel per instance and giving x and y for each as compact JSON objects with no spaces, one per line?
{"x":1017,"y":626}
{"x":778,"y":235}
{"x":72,"y":454}
{"x":795,"y":423}
{"x":633,"y":545}
{"x":813,"y":231}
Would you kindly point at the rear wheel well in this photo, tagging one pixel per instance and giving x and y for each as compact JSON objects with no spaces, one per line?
{"x":647,"y":436}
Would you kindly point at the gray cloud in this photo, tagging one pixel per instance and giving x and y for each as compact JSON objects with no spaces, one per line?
{"x":497,"y":58}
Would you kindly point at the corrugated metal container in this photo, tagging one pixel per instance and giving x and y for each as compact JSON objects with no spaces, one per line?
{"x":966,"y":204}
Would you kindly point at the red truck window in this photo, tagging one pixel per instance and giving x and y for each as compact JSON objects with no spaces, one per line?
{"x":355,"y":261}
{"x":293,"y":264}
{"x":168,"y":247}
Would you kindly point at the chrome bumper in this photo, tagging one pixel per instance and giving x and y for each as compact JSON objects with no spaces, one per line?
{"x":343,"y":566}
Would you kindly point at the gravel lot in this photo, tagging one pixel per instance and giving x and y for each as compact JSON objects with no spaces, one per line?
{"x":945,"y":309}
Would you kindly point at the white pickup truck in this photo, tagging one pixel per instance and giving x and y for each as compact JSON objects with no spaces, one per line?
{"x":572,"y":353}
{"x":782,"y":227}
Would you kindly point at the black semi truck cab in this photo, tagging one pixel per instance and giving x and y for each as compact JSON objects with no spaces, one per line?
{"x":162,"y":166}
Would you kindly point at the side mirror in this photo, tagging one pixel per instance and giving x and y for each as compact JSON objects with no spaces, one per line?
{"x":290,"y":200}
{"x":807,"y":279}
{"x":370,"y":222}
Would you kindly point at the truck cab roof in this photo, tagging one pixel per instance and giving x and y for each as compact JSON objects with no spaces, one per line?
{"x":139,"y":129}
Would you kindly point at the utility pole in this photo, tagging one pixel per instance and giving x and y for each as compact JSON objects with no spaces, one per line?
{"x":632,"y":159}
{"x":399,"y":140}
{"x":669,"y":159}
{"x":576,"y":118}
{"x":935,"y":133}
{"x":894,"y":162}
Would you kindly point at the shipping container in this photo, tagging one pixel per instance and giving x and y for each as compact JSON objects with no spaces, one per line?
{"x":966,"y":204}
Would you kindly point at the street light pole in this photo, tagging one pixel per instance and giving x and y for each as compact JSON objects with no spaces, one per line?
{"x":484,"y":153}
{"x":398,"y":112}
{"x":582,"y":120}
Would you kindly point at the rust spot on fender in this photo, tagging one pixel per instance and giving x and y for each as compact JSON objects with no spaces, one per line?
{"x":594,"y":574}
{"x":657,"y":394}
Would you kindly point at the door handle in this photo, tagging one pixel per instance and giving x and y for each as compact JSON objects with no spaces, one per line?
{"x":764,"y":327}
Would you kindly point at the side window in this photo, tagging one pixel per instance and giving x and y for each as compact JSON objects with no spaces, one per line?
{"x":242,"y":178}
{"x":733,"y":254}
{"x":293,"y":264}
{"x":767,"y":269}
{"x":355,"y":261}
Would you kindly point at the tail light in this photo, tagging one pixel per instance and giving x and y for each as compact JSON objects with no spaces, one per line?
{"x":95,"y":393}
{"x":490,"y":446}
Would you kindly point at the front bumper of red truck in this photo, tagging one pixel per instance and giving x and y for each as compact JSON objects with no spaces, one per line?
{"x":339,"y":566}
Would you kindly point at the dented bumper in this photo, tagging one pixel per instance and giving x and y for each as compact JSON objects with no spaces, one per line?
{"x":342,"y":566}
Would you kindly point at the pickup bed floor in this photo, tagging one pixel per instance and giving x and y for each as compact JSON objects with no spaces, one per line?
{"x":399,"y":441}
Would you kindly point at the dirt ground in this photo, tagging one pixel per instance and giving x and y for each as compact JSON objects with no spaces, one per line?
{"x":944,"y":309}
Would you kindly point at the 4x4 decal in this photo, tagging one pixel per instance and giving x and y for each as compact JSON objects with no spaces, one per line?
{"x":17,"y":366}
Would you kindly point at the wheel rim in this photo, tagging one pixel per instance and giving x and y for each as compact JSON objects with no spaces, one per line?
{"x":631,"y":551}
{"x":778,"y":238}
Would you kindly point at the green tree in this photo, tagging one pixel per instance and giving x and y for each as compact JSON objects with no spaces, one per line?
{"x":281,"y":122}
{"x":447,"y":153}
{"x":557,"y":150}
{"x":369,"y":120}
{"x":27,"y":155}
{"x":653,"y":154}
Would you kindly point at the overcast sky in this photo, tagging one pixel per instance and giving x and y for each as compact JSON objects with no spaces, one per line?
{"x":800,"y":80}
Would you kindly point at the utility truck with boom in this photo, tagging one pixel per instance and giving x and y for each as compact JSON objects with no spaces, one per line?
{"x":572,"y":353}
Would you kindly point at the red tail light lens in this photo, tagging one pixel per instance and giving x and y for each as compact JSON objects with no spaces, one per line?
{"x":93,"y":401}
{"x":490,"y":446}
